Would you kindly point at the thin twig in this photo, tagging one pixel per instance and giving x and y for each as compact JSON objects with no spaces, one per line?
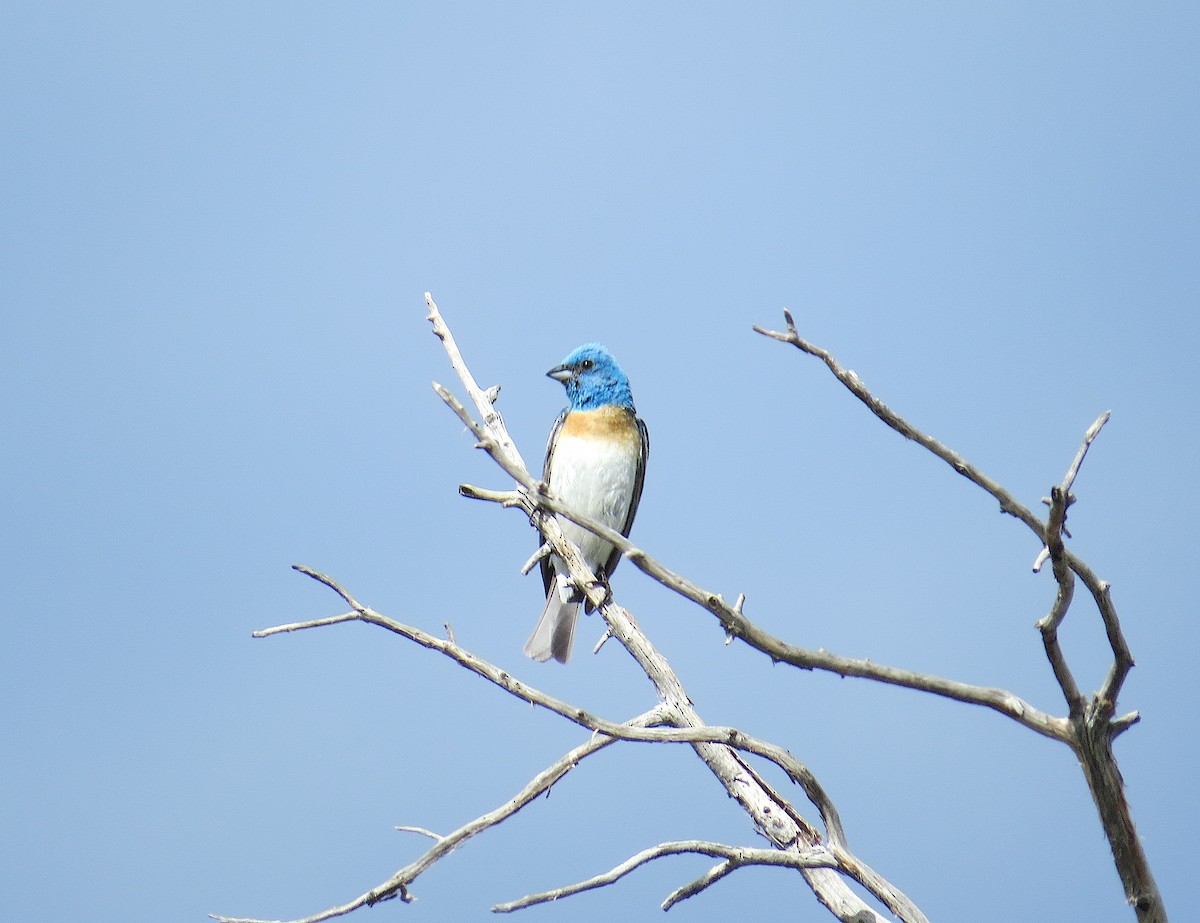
{"x":332,"y":584}
{"x":300,"y":626}
{"x":1088,"y":438}
{"x":409,"y":828}
{"x":1008,"y":503}
{"x":485,"y":401}
{"x":734,"y":857}
{"x":694,"y":887}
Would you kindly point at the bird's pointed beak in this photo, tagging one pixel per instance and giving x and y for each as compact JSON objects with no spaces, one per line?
{"x":563,"y":373}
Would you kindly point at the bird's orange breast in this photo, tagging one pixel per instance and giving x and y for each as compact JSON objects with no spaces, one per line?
{"x":612,"y":424}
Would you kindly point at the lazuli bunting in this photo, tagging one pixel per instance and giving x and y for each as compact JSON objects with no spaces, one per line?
{"x":595,"y":463}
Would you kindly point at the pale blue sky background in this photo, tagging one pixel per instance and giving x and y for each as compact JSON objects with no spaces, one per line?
{"x":218,"y":221}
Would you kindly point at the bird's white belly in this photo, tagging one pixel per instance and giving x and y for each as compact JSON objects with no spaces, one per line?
{"x":595,"y":478}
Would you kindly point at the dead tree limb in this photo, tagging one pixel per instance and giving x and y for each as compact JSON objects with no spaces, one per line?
{"x":772,"y":815}
{"x":823,"y":858}
{"x":1090,"y":726}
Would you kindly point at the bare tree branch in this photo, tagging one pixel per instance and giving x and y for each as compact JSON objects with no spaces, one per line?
{"x":1088,"y":438}
{"x":735,"y":623}
{"x":849,"y":378}
{"x":775,"y":819}
{"x":692,"y":888}
{"x":1065,"y":578}
{"x":533,"y":496}
{"x":822,"y":860}
{"x":734,"y":857}
{"x":1008,"y":504}
{"x":409,"y":828}
{"x":1092,"y":724}
{"x":397,"y":885}
{"x":640,"y":730}
{"x":637,"y":733}
{"x":1090,"y":727}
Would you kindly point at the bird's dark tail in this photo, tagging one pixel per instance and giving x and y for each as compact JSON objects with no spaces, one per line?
{"x":555,"y":629}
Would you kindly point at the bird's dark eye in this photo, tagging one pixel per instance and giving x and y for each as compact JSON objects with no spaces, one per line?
{"x":586,"y":364}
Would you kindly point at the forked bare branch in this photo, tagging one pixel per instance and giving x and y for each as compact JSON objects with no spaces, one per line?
{"x":535,"y":499}
{"x":733,"y":858}
{"x":774,"y":816}
{"x":1089,"y":728}
{"x":824,"y":860}
{"x":821,"y":861}
{"x":397,"y":885}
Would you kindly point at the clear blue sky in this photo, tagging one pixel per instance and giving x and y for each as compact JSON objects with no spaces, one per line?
{"x":218,"y":222}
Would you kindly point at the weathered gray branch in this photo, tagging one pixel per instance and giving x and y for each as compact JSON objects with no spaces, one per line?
{"x":731,"y":617}
{"x":397,"y":885}
{"x":796,"y":771}
{"x":775,"y":817}
{"x":1092,"y":724}
{"x":1089,"y":727}
{"x":733,"y":858}
{"x":645,"y":729}
{"x":797,"y":843}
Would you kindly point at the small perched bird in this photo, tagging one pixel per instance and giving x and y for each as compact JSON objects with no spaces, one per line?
{"x":595,"y":463}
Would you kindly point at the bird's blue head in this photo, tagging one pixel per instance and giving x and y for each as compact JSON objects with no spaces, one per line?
{"x":593,"y":379}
